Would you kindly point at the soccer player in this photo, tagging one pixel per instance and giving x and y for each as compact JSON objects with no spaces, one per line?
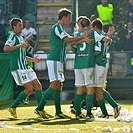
{"x":101,"y":68}
{"x":83,"y":66}
{"x":55,"y":60}
{"x":74,"y":51}
{"x":22,"y":73}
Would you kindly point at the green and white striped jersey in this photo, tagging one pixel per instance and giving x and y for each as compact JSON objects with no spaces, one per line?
{"x":57,"y":43}
{"x":18,"y":56}
{"x":101,"y":47}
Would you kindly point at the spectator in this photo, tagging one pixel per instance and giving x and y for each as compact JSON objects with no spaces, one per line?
{"x":8,"y":29}
{"x":129,"y":47}
{"x":30,"y":34}
{"x":104,"y":12}
{"x":130,"y":10}
{"x":19,"y":6}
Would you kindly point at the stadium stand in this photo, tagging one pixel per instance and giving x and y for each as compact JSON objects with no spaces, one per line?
{"x":3,"y":5}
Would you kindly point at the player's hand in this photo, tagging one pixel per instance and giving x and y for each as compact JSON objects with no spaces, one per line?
{"x":88,"y":40}
{"x":110,"y":40}
{"x":24,"y":45}
{"x":111,"y":30}
{"x":36,"y":59}
{"x":85,"y":34}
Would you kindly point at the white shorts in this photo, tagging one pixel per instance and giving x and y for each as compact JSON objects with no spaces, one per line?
{"x":55,"y":70}
{"x":22,"y":77}
{"x":100,"y":75}
{"x":84,"y":77}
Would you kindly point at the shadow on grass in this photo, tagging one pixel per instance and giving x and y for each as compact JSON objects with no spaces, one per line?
{"x":10,"y":119}
{"x":64,"y":122}
{"x":7,"y":103}
{"x":51,"y":121}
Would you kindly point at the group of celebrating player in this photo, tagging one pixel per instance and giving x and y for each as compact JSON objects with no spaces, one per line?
{"x":90,"y":46}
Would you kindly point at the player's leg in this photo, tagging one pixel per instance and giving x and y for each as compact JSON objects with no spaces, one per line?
{"x":101,"y":102}
{"x":100,"y":71}
{"x":89,"y":102}
{"x":79,"y":83}
{"x":21,"y":78}
{"x":36,"y":84}
{"x":83,"y":97}
{"x":58,"y":89}
{"x":89,"y":82}
{"x":56,"y":97}
{"x":109,"y":98}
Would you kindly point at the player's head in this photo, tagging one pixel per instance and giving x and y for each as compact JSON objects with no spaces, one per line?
{"x":79,"y":22}
{"x":97,"y":24}
{"x":27,"y":23}
{"x":85,"y":22}
{"x":17,"y":25}
{"x":79,"y":19}
{"x":64,"y":15}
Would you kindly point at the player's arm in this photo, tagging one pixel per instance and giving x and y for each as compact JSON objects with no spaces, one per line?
{"x":111,"y":30}
{"x":107,"y":40}
{"x":73,"y":48}
{"x":86,"y":39}
{"x":8,"y":48}
{"x":35,"y":59}
{"x":96,"y":53}
{"x":70,"y":39}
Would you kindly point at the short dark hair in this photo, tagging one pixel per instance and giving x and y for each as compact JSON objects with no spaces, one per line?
{"x":98,"y":23}
{"x":63,"y":12}
{"x":14,"y":21}
{"x":27,"y":20}
{"x":85,"y":22}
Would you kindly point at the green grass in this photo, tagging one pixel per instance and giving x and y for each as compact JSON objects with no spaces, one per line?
{"x":27,"y":117}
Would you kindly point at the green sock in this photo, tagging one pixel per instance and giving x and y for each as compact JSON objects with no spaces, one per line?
{"x":77,"y":103}
{"x":89,"y":103}
{"x":19,"y":99}
{"x":38,"y":94}
{"x":83,"y":96}
{"x":101,"y":103}
{"x":109,"y":99}
{"x":47,"y":94}
{"x":56,"y":97}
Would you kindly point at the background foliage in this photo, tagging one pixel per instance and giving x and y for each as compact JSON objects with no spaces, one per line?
{"x":120,"y":16}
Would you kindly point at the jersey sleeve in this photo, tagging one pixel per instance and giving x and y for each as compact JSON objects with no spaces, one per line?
{"x":97,"y":36}
{"x":98,"y":46}
{"x":10,"y":41}
{"x":34,"y":32}
{"x":60,"y":32}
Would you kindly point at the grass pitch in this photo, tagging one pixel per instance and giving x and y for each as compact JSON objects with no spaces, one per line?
{"x":28,"y":122}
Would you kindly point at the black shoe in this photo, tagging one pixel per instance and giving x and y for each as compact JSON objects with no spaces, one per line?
{"x":128,"y":75}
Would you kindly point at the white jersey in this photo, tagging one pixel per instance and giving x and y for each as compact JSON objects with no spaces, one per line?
{"x":28,"y":33}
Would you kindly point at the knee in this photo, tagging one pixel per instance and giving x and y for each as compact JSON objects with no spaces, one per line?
{"x":28,"y":91}
{"x":38,"y":86}
{"x":55,"y":85}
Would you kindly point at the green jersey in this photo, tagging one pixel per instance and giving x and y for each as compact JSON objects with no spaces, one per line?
{"x":101,"y":47}
{"x":18,"y":56}
{"x":84,"y":57}
{"x":57,"y":44}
